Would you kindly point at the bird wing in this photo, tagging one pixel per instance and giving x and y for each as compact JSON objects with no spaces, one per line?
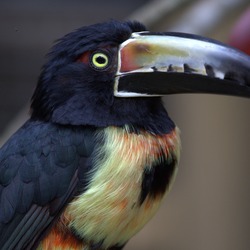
{"x":42,"y":166}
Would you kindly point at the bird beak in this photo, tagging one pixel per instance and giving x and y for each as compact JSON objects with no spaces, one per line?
{"x":156,"y":64}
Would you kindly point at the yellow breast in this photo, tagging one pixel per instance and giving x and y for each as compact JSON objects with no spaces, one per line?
{"x":109,"y":209}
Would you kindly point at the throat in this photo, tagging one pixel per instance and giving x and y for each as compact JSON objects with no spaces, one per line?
{"x":147,"y":114}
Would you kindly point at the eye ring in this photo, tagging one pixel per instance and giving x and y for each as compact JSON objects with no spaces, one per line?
{"x":100,"y":60}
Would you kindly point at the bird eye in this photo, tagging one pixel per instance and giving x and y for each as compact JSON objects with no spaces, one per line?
{"x":100,"y":60}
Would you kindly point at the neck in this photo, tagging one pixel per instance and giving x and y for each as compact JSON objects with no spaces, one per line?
{"x":138,"y":113}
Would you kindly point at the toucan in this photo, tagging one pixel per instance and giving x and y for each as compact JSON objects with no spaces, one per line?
{"x":92,"y":164}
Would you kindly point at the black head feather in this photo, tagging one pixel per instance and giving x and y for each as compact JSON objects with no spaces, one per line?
{"x":72,"y":92}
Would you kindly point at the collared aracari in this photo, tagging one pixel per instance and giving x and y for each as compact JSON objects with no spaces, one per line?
{"x":99,"y":152}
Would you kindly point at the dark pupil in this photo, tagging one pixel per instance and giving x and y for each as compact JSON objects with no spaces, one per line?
{"x":100,"y":60}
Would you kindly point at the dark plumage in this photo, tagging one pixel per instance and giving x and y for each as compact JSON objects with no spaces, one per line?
{"x":42,"y":166}
{"x":49,"y":160}
{"x":65,"y":82}
{"x":90,"y":167}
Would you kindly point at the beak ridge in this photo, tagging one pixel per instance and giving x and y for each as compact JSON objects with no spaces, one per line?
{"x":156,"y":64}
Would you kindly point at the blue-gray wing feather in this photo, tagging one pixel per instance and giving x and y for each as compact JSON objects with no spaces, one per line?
{"x":42,"y":166}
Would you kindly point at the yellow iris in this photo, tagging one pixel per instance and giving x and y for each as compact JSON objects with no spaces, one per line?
{"x":100,"y":60}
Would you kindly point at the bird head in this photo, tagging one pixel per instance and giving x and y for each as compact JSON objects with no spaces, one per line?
{"x":114,"y":73}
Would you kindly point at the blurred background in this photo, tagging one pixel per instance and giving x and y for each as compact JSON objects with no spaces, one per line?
{"x":208,"y":207}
